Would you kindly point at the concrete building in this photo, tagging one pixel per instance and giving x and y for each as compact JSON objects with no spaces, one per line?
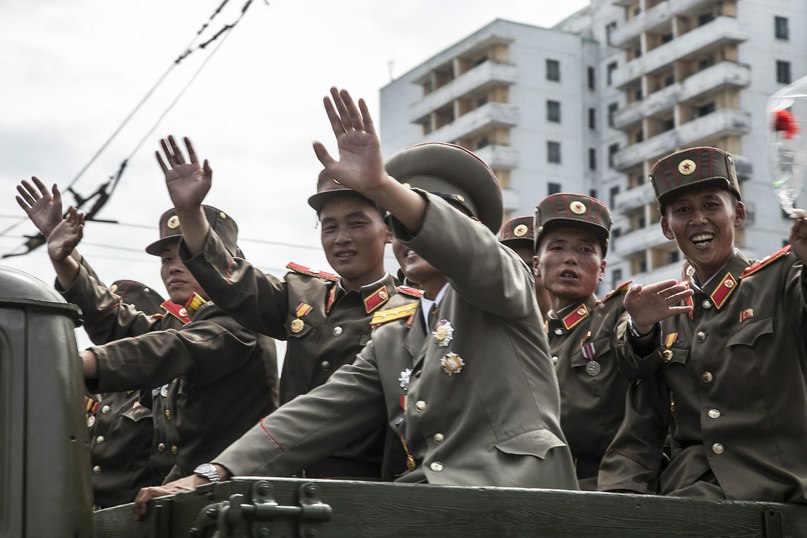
{"x":589,"y":105}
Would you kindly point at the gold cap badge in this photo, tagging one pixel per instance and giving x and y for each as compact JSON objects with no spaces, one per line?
{"x":173,"y":222}
{"x":520,"y":230}
{"x":577,"y":207}
{"x":687,"y":167}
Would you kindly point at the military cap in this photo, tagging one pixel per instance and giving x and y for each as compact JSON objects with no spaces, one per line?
{"x":453,"y":173}
{"x":517,"y":232}
{"x":564,"y":209}
{"x":137,"y":294}
{"x":328,"y":188}
{"x":693,"y":167}
{"x":220,"y":222}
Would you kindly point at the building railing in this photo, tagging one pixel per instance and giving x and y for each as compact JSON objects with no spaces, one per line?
{"x":652,"y":18}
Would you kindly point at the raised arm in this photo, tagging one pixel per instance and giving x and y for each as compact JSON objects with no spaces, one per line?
{"x":188,"y":183}
{"x":361,"y":165}
{"x":62,"y":242}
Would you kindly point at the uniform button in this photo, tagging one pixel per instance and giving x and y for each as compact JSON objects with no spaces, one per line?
{"x":707,"y":377}
{"x":436,"y":466}
{"x":174,"y":450}
{"x":90,"y":421}
{"x":100,"y":439}
{"x":96,"y":469}
{"x":667,"y":355}
{"x":439,"y":438}
{"x":337,"y":330}
{"x":161,"y":448}
{"x":714,"y":413}
{"x":105,"y":409}
{"x":701,"y":336}
{"x":717,"y":448}
{"x":707,"y":304}
{"x":325,"y":365}
{"x":167,"y":414}
{"x":420,"y":405}
{"x":559,"y":331}
{"x":555,"y":359}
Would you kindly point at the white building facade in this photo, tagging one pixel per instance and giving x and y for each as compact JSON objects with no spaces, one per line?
{"x":590,"y":105}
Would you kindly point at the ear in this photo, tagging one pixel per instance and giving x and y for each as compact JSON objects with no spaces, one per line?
{"x":739,"y":215}
{"x":665,"y":228}
{"x":603,"y":263}
{"x":536,"y":266}
{"x":388,"y":235}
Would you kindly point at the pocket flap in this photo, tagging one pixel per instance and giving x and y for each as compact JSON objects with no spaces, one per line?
{"x":533,"y":443}
{"x":750,"y":331}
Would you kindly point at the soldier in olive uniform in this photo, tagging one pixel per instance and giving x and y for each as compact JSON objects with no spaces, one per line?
{"x":725,"y":368}
{"x":571,"y":244}
{"x":518,"y":234}
{"x":324,"y":318}
{"x":212,"y":373}
{"x":464,"y":377}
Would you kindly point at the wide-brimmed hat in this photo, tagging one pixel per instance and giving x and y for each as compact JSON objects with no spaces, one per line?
{"x":577,"y":210}
{"x":171,"y":230}
{"x":702,"y":166}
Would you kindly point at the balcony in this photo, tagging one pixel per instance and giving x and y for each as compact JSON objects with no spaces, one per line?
{"x":486,"y":73}
{"x":702,"y":82}
{"x":653,"y":18}
{"x":511,"y":199}
{"x":639,"y":240}
{"x":633,"y":198}
{"x":719,"y":123}
{"x":499,"y":156}
{"x":476,"y":120}
{"x":720,"y":30}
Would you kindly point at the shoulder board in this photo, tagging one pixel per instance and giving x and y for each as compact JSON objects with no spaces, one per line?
{"x":619,"y":290}
{"x":391,"y":314}
{"x":766,"y":261}
{"x":410,"y":292}
{"x":297,"y":268}
{"x":157,"y":316}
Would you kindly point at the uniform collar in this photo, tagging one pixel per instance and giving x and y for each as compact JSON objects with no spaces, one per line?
{"x":569,"y":316}
{"x":373,"y":295}
{"x":722,"y":284}
{"x":185,"y":312}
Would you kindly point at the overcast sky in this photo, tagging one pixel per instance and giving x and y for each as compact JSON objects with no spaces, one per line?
{"x":72,"y":71}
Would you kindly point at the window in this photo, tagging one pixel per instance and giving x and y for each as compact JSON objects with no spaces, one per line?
{"x":553,"y":111}
{"x":592,"y":119}
{"x":669,"y":80}
{"x":612,"y":108}
{"x":637,"y":52}
{"x":705,"y":18}
{"x":673,"y":256}
{"x":592,"y":159}
{"x":616,"y":232}
{"x":612,"y":193}
{"x":668,"y":125}
{"x":705,"y":62}
{"x":616,"y":278}
{"x":592,"y":81}
{"x":612,"y":151}
{"x":703,"y":110}
{"x":553,"y":152}
{"x":639,"y":135}
{"x":782,"y":72}
{"x":609,"y":28}
{"x":553,"y":70}
{"x":666,"y":37}
{"x":638,"y":94}
{"x":552,"y":188}
{"x":609,"y":72}
{"x":780,"y":28}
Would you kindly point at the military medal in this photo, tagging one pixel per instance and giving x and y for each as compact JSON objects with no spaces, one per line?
{"x":589,"y":352}
{"x":667,"y":353}
{"x":452,"y":363}
{"x":298,"y":324}
{"x":403,"y":379}
{"x":593,"y":368}
{"x":164,"y":391}
{"x":443,"y":333}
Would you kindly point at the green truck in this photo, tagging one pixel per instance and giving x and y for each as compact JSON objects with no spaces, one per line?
{"x":45,"y":489}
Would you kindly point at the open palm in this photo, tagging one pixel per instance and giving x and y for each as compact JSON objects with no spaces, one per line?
{"x":188,"y":182}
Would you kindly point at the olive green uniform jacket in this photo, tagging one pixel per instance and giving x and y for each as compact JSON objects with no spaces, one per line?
{"x":324,"y":326}
{"x":592,"y":390}
{"x":493,"y":421}
{"x":215,"y":374}
{"x":730,"y":381}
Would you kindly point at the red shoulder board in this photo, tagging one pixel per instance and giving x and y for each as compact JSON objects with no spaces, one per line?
{"x":178,"y":311}
{"x":619,"y":290}
{"x":766,"y":261}
{"x":297,"y":268}
{"x":409,"y":292}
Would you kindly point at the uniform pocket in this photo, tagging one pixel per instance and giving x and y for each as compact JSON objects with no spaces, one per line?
{"x":533,"y":443}
{"x":750,"y":332}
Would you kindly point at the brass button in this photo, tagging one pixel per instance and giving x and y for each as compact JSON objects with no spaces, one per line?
{"x":420,"y":405}
{"x":167,"y":414}
{"x":667,"y":355}
{"x":714,"y":413}
{"x":701,"y":337}
{"x":717,"y":448}
{"x":439,"y":438}
{"x":161,"y":448}
{"x":707,"y":377}
{"x":337,"y":330}
{"x":174,"y":450}
{"x":707,"y":304}
{"x":105,"y":409}
{"x":325,"y":365}
{"x":436,"y":466}
{"x":100,"y":439}
{"x":96,"y":469}
{"x":559,"y":331}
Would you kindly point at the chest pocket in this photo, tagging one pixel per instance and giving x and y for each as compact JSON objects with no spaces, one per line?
{"x":750,"y":332}
{"x":676,"y":355}
{"x":602,"y":347}
{"x":138,"y":413}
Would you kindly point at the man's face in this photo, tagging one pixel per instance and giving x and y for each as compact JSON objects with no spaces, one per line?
{"x":353,"y":237}
{"x":413,"y":266}
{"x":571,"y":264}
{"x":179,"y":282}
{"x":703,"y":222}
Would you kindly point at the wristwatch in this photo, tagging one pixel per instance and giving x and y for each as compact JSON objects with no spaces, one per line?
{"x":636,"y":334}
{"x":207,"y":470}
